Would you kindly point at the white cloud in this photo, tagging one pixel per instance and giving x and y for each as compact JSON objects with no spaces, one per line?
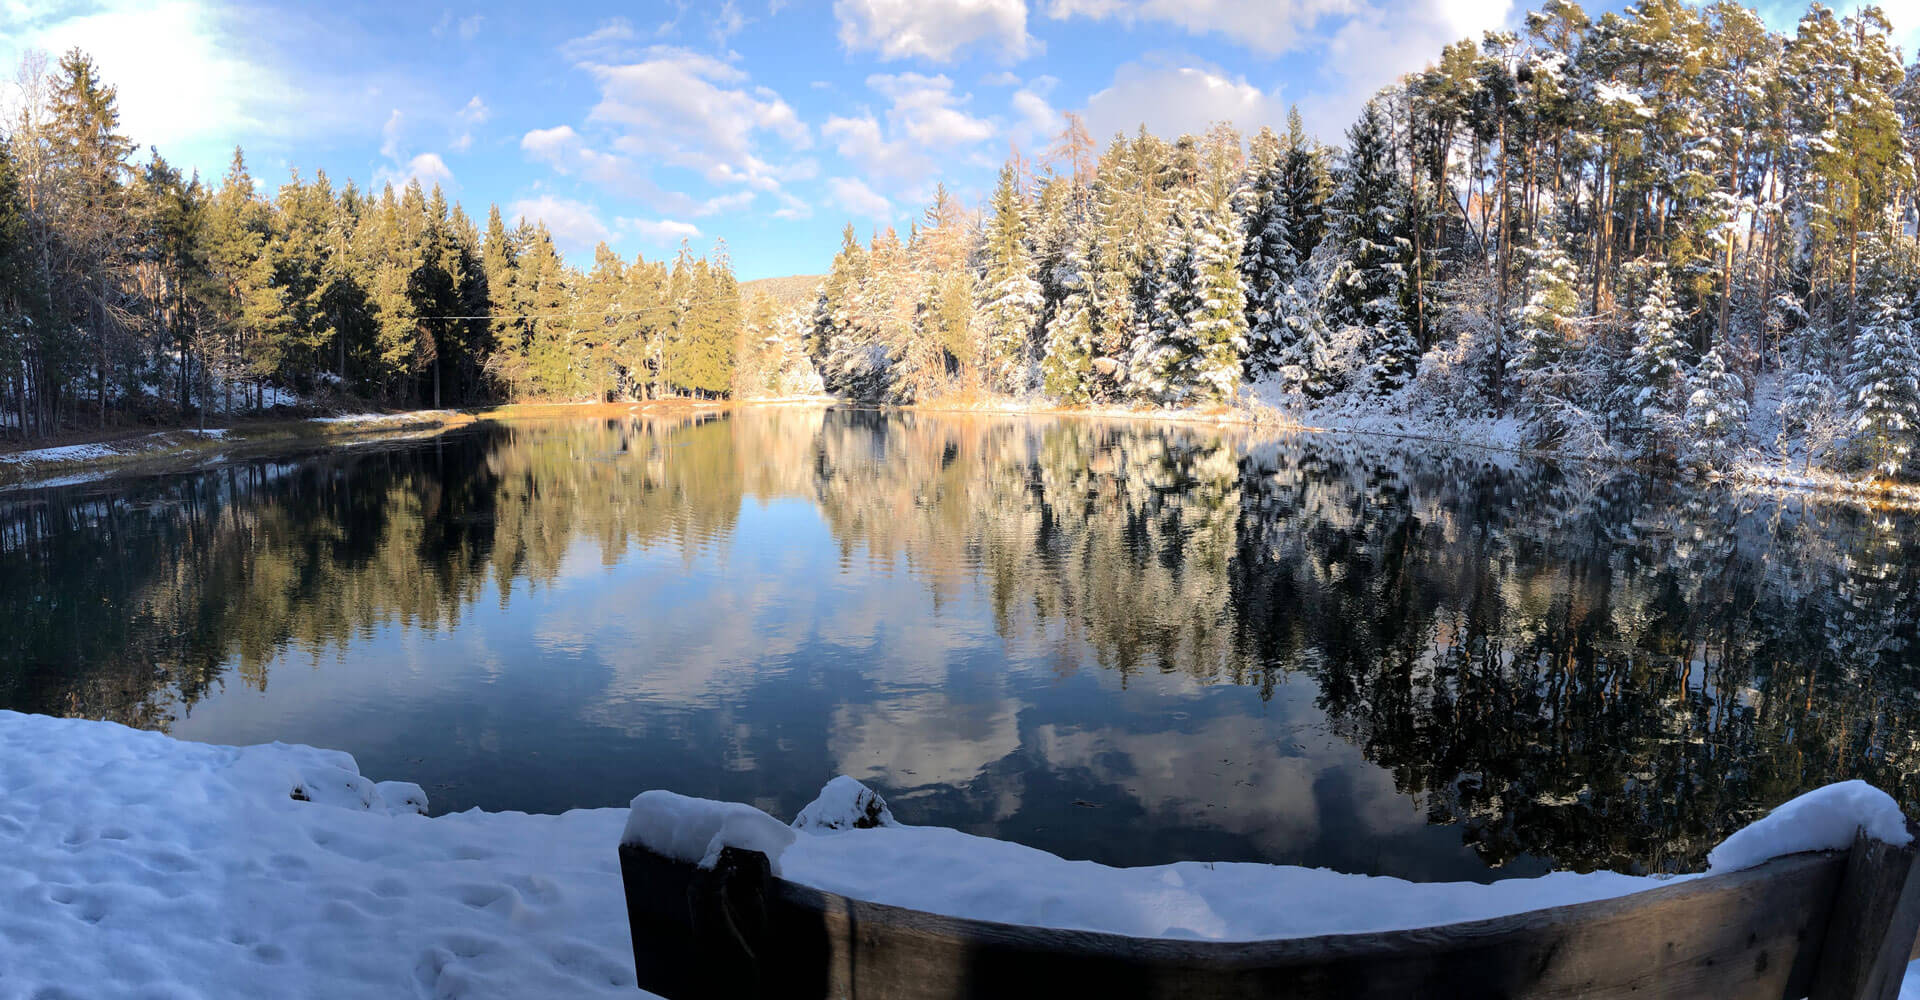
{"x":694,"y":111}
{"x":660,"y":231}
{"x":1035,"y":121}
{"x":427,"y":168}
{"x":390,"y":135}
{"x":1171,"y":100}
{"x":928,"y":111}
{"x":727,"y":22}
{"x":935,"y":29}
{"x":924,"y":119}
{"x":1361,"y":46}
{"x":792,"y":208}
{"x":861,"y":140}
{"x":602,"y":43}
{"x":474,"y":112}
{"x":735,"y":202}
{"x":466,"y":27}
{"x":853,"y":195}
{"x":575,"y":225}
{"x":551,"y":145}
{"x":1270,"y":27}
{"x":563,"y":149}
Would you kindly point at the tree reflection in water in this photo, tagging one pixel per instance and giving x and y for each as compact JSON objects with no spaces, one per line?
{"x":1558,"y":664}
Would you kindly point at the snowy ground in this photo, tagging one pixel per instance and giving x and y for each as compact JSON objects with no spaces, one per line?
{"x":368,"y":418}
{"x":95,"y":451}
{"x":132,"y":864}
{"x":135,"y":864}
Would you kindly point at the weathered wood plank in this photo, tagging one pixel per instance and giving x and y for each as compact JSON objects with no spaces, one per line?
{"x":1753,"y":934}
{"x":1875,"y":917}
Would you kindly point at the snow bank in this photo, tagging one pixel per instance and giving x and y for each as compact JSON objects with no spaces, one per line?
{"x":64,"y":453}
{"x":948,"y":872}
{"x":849,"y":843}
{"x":694,"y":830}
{"x":132,"y":864}
{"x":96,"y":450}
{"x":1824,"y":819}
{"x":365,"y":418}
{"x":845,"y":804}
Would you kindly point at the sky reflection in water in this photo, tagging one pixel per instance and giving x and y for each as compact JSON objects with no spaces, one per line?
{"x":1130,"y":643}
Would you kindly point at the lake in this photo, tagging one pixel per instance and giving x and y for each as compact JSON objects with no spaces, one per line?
{"x":1130,"y":642}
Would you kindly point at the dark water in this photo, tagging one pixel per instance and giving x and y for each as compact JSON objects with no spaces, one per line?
{"x":1131,"y":643}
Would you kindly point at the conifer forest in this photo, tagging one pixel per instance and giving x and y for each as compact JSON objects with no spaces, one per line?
{"x":1670,"y":235}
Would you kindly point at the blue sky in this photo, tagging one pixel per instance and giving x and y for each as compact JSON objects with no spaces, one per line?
{"x":768,"y":123}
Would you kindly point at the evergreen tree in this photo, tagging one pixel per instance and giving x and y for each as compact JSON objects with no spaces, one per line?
{"x":1716,"y":414}
{"x":1303,"y":188}
{"x":1545,"y":366}
{"x":1067,"y":368}
{"x":87,"y":157}
{"x":1883,"y":383}
{"x":1652,"y":389}
{"x":1010,"y":299}
{"x":1268,"y":266}
{"x":1366,"y":291}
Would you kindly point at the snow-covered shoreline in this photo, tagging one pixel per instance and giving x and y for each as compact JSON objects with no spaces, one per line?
{"x":131,"y":862}
{"x":79,"y":463}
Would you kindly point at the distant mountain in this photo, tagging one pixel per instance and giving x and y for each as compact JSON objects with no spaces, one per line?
{"x":790,"y":290}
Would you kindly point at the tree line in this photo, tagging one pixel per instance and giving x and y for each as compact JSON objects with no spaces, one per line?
{"x":1665,"y":233}
{"x":133,"y":292}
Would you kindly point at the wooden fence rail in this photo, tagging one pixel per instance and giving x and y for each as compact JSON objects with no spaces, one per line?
{"x":1827,"y":925}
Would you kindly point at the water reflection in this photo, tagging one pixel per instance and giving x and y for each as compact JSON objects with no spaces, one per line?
{"x":1131,"y":643}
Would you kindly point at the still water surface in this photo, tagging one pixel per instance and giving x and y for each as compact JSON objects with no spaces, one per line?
{"x":1133,"y":643}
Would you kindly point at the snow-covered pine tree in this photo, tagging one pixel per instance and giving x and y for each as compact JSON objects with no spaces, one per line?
{"x":850,"y":361}
{"x":1303,"y":179}
{"x":1308,"y":365}
{"x":1545,"y":366}
{"x":1716,"y":416}
{"x":1651,"y":389}
{"x":1056,"y":218}
{"x":1162,"y":359}
{"x":1219,"y":317}
{"x":1110,"y":269}
{"x":1367,"y":286}
{"x":1883,"y":385}
{"x":1192,"y":348}
{"x":1267,"y":263}
{"x":1066,"y":369}
{"x":1009,"y":299}
{"x":832,"y":302}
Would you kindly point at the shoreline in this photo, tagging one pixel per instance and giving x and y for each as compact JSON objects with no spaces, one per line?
{"x":82,"y":458}
{"x":89,"y":458}
{"x":1771,"y":474}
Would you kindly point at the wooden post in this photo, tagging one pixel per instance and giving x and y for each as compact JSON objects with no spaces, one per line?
{"x":1876,"y":915}
{"x":697,"y":932}
{"x":728,"y":906}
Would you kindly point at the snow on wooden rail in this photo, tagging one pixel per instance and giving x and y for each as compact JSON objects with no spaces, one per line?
{"x":710,"y":917}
